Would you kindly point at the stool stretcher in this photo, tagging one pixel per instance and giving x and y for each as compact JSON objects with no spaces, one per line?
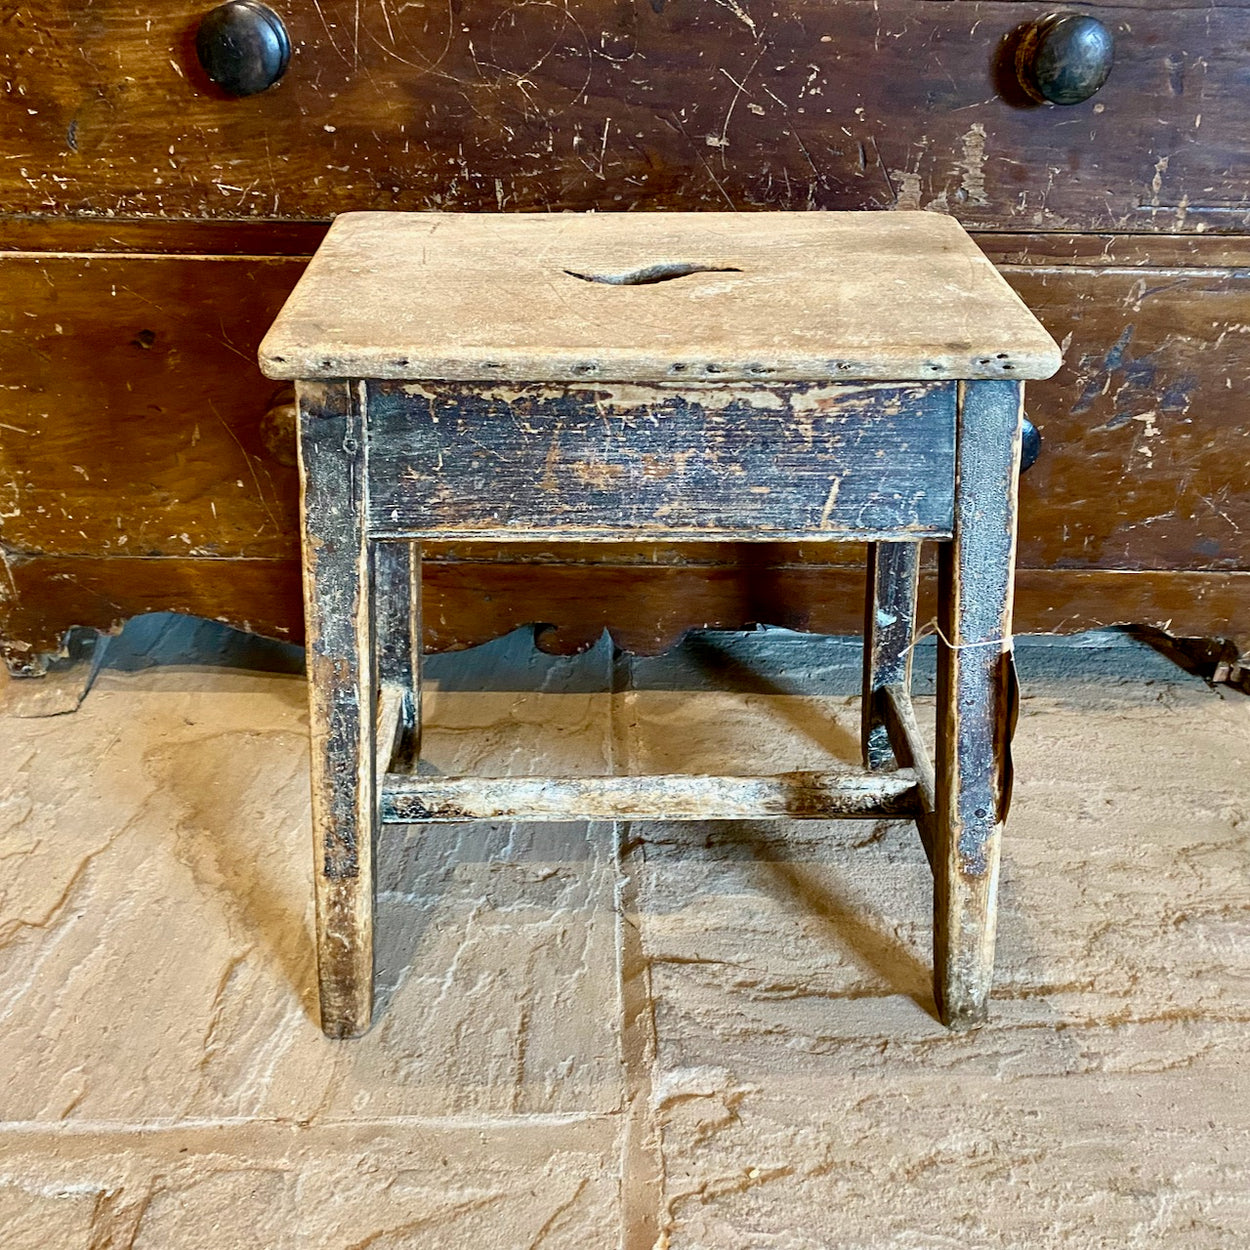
{"x":673,"y":796}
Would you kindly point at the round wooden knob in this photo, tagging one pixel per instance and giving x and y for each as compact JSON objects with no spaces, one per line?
{"x":1064,"y":58}
{"x":1030,"y":446}
{"x":243,"y":47}
{"x":278,"y":427}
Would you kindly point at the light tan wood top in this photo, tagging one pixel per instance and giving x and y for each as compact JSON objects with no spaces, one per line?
{"x":801,"y":296}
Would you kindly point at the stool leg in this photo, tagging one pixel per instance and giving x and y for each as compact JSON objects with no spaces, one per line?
{"x":974,"y":655}
{"x":889,"y":628}
{"x":397,"y":602}
{"x":342,"y":697}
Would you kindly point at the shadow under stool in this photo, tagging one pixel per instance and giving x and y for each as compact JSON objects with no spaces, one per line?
{"x":621,"y":377}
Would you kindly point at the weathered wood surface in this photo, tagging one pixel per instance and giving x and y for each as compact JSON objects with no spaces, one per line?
{"x":759,"y":463}
{"x":161,"y":237}
{"x":130,"y":419}
{"x":650,"y":297}
{"x":893,"y":577}
{"x":1144,"y":432}
{"x":268,"y":237}
{"x":790,"y":796}
{"x":646,"y":606}
{"x":974,"y":655}
{"x":164,"y":434}
{"x":839,"y":104}
{"x":342,"y":691}
{"x":908,"y":746}
{"x":1116,"y":251}
{"x":397,"y":650}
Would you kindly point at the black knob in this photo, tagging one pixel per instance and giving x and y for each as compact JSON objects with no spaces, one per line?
{"x":1064,"y":58}
{"x":1030,"y":445}
{"x":243,"y":47}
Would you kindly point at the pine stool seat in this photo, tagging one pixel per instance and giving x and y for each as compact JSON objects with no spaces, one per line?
{"x":756,"y":377}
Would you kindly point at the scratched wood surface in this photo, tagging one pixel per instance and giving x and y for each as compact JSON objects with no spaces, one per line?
{"x":163,"y":434}
{"x":647,"y":605}
{"x":971,"y":771}
{"x":839,"y":104}
{"x":651,"y":297}
{"x":674,"y":796}
{"x":748,"y":463}
{"x":130,"y":422}
{"x":153,"y":392}
{"x":342,"y":701}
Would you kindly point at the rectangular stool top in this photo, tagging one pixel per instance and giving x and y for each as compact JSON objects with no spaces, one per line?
{"x":654,"y":297}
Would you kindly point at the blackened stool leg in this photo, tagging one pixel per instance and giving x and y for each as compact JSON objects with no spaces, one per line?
{"x":889,"y":630}
{"x":973,"y":696}
{"x":342,"y":693}
{"x":397,"y":600}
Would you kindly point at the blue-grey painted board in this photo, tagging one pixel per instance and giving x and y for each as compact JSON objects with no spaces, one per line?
{"x":625,"y":461}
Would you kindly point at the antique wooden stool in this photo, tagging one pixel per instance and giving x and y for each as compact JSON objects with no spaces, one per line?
{"x":756,"y":377}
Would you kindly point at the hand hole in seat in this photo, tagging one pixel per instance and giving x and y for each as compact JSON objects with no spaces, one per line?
{"x":663,"y":272}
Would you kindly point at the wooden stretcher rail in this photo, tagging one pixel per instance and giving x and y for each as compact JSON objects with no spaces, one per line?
{"x":795,"y":796}
{"x":913,"y":756}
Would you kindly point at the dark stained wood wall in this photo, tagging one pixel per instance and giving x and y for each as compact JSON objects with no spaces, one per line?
{"x":150,"y":228}
{"x":630,"y":104}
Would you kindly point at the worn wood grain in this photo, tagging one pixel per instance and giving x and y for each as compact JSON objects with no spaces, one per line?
{"x":840,"y":104}
{"x":893,"y":576}
{"x":163,"y":471}
{"x":790,"y":796}
{"x":166,"y":432}
{"x":161,"y":236}
{"x":757,"y":463}
{"x":152,"y":412}
{"x":342,"y":695}
{"x":653,"y":297}
{"x":646,"y":607}
{"x":908,"y":746}
{"x":1116,"y":251}
{"x":269,"y":237}
{"x":974,"y":654}
{"x":1144,"y":432}
{"x":397,"y":649}
{"x":130,"y":421}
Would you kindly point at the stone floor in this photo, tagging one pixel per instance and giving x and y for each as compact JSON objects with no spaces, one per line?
{"x":712,"y":1036}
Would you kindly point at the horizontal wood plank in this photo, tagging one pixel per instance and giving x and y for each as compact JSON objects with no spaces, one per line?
{"x":749,"y":463}
{"x":132,"y":421}
{"x":792,"y":796}
{"x":161,"y":236}
{"x":654,"y":297}
{"x":1144,"y":431}
{"x":140,"y":371}
{"x":162,"y":471}
{"x":646,"y":608}
{"x":834,"y":104}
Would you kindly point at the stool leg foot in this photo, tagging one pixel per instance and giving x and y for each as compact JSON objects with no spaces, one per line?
{"x":889,"y":629}
{"x":338,"y":606}
{"x":973,"y":697}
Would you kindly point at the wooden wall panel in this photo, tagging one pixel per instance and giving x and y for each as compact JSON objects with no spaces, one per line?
{"x":132,"y":406}
{"x":646,"y":606}
{"x":134,"y":426}
{"x":130,"y":424}
{"x":628,"y":104}
{"x":1145,"y":433}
